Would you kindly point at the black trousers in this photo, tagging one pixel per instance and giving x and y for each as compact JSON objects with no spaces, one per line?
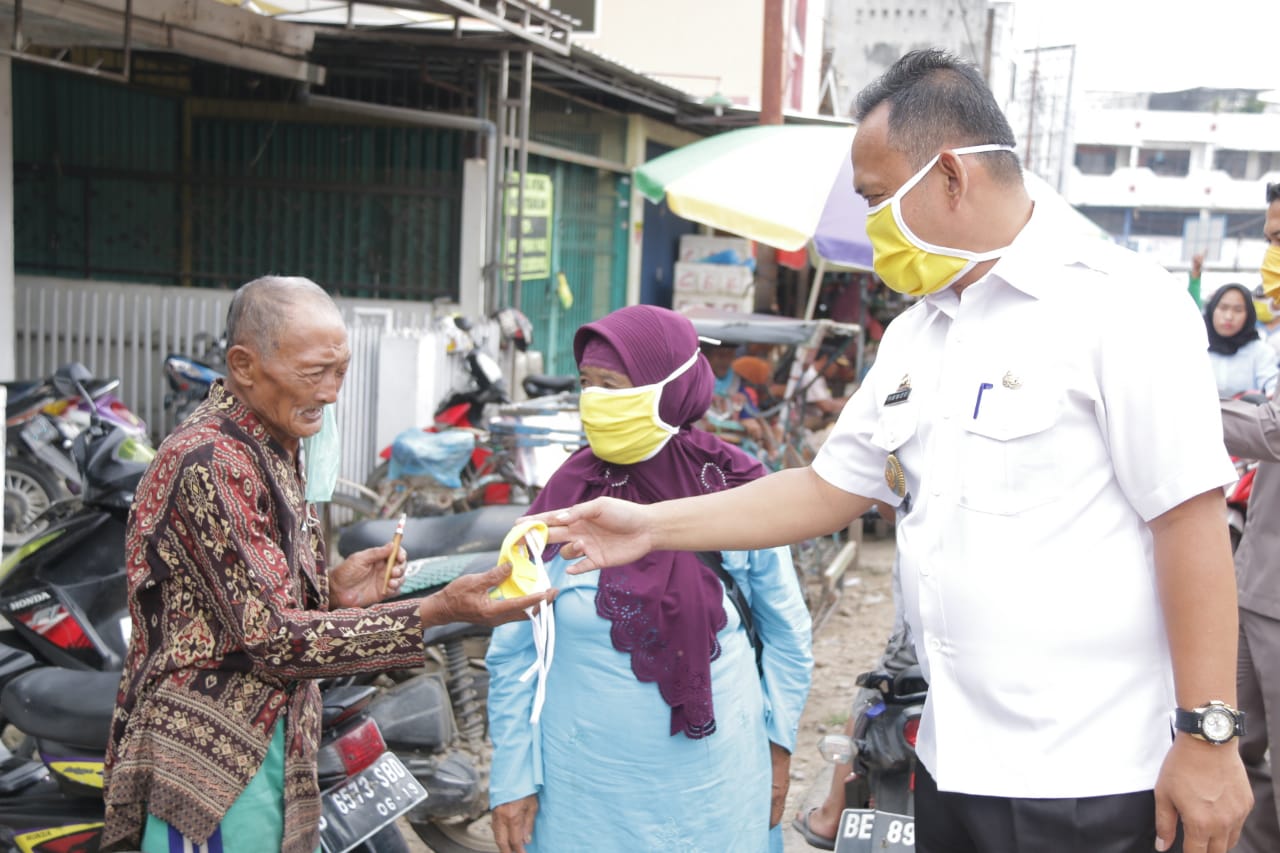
{"x":948,"y":822}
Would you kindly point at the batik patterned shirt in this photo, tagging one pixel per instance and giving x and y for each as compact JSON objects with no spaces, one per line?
{"x":229,"y":603}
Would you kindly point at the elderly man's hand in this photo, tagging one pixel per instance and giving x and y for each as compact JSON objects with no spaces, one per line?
{"x":358,"y":581}
{"x":466,"y":599}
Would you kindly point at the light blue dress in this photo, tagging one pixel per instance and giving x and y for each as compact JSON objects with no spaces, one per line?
{"x":607,"y":771}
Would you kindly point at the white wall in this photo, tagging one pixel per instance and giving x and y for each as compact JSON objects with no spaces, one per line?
{"x":708,"y":38}
{"x":7,"y":299}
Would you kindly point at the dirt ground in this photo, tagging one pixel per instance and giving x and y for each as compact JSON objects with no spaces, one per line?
{"x":848,"y":642}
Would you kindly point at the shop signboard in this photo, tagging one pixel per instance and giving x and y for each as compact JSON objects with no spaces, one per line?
{"x":534,"y":225}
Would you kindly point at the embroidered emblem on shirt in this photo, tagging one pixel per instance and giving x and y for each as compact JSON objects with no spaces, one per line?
{"x":1010,"y":381}
{"x":894,"y":476}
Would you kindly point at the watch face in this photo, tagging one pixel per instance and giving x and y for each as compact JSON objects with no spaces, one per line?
{"x":1218,"y":725}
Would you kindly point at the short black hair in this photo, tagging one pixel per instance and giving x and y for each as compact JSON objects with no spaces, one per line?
{"x":938,"y":101}
{"x":1273,"y":193}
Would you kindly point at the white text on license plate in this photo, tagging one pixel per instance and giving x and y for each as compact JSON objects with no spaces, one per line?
{"x":366,"y":802}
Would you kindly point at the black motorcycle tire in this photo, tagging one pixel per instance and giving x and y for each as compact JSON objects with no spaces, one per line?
{"x":36,"y":481}
{"x":466,"y":837}
{"x":389,"y":839}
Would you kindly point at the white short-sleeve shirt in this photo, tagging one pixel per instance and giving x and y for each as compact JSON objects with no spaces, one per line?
{"x":1043,"y":428}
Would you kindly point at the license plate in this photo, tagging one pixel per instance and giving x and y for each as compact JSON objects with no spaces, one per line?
{"x":366,"y":802}
{"x":867,"y":830}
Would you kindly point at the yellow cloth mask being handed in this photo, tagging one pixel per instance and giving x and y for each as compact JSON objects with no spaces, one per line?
{"x":1271,"y":272}
{"x":905,"y":262}
{"x":623,"y":425}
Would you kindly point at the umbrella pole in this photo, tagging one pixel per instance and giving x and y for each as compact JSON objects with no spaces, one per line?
{"x":818,"y":272}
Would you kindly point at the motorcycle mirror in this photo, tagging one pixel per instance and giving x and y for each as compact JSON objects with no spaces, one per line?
{"x":69,"y":378}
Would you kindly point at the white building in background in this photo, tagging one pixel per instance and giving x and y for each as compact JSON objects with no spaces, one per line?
{"x":865,"y":37}
{"x":1173,"y":174}
{"x":708,"y":47}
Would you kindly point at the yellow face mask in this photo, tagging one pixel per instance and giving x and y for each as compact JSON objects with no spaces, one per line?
{"x":623,"y":425}
{"x":1271,"y":272}
{"x":905,"y":262}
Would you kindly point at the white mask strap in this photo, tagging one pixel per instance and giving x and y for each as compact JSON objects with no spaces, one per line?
{"x":918,"y":176}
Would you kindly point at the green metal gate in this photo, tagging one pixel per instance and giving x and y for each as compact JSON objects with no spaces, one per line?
{"x":589,"y":247}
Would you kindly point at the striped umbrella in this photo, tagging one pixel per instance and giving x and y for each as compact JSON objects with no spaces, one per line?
{"x":790,"y":185}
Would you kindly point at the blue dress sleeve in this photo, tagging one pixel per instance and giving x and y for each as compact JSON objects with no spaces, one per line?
{"x":1266,"y":368}
{"x":516,"y":771}
{"x":769,"y":582}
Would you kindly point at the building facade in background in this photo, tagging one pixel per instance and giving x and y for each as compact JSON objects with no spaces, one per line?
{"x":865,"y":37}
{"x":709,"y":48}
{"x":1173,"y":174}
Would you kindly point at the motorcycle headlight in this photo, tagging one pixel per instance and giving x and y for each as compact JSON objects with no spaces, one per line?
{"x":134,"y":450}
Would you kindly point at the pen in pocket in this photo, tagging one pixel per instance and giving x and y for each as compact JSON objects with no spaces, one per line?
{"x":977,"y":404}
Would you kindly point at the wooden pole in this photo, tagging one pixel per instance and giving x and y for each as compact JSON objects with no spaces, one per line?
{"x":771,"y":64}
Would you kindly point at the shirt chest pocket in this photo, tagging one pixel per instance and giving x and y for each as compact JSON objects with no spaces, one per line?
{"x":1010,"y":460}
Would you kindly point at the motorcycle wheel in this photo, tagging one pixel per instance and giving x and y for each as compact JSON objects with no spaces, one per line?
{"x":468,"y":836}
{"x":28,"y":491}
{"x":389,"y":839}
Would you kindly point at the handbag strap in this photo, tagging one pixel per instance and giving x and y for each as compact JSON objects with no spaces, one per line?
{"x":715,"y":561}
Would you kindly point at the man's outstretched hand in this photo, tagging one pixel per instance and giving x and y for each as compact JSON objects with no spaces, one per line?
{"x":605,"y":532}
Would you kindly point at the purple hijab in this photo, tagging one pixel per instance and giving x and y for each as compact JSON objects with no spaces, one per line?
{"x":667,"y":607}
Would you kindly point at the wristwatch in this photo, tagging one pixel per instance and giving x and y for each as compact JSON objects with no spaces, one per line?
{"x":1216,"y":722}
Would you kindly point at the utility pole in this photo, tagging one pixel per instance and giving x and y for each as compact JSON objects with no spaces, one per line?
{"x":770,"y":113}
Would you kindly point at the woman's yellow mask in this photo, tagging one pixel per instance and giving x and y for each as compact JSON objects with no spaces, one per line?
{"x":905,"y":262}
{"x":623,"y":425}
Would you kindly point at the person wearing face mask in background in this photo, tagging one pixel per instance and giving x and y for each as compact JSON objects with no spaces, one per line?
{"x":661,"y":730}
{"x":1065,"y":566}
{"x":1253,"y":432}
{"x":1241,"y":360}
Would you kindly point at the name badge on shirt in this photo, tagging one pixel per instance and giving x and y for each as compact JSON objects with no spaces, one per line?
{"x":901,"y":395}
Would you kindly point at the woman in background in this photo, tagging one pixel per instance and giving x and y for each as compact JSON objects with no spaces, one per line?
{"x":1241,"y":360}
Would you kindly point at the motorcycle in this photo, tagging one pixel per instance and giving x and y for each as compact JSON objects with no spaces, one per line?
{"x":481,"y":449}
{"x":191,"y":378}
{"x":51,"y":800}
{"x":63,"y":591}
{"x":42,"y":421}
{"x":879,"y":809}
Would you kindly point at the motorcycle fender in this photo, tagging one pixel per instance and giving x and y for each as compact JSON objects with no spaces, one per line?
{"x":416,"y":713}
{"x":79,"y":836}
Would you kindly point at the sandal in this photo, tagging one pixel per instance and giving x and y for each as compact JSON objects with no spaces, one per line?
{"x":801,"y":825}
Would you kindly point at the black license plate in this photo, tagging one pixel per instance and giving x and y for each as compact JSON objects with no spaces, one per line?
{"x":867,"y":830}
{"x":366,"y":802}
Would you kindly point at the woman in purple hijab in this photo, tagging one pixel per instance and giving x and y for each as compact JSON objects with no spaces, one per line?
{"x":659,"y":731}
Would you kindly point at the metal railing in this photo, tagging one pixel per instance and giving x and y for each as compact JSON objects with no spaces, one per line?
{"x":126,"y":330}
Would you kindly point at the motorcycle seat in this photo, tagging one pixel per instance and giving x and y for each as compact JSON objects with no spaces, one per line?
{"x":20,"y":394}
{"x":71,"y":706}
{"x":469,"y":532}
{"x":542,"y":385}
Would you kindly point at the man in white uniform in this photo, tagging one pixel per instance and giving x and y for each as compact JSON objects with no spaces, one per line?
{"x":1065,"y":563}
